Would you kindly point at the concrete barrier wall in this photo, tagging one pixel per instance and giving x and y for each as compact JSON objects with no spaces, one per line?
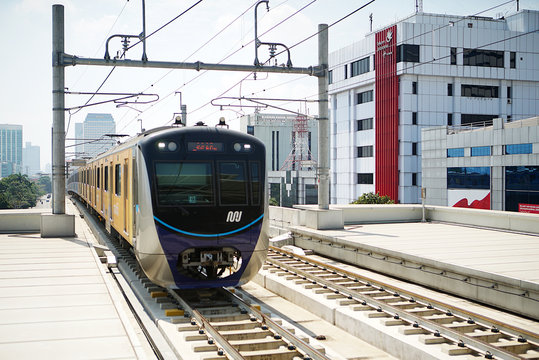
{"x":21,"y":221}
{"x":359,"y":214}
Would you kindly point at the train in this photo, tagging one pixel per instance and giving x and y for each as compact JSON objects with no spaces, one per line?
{"x":189,"y":201}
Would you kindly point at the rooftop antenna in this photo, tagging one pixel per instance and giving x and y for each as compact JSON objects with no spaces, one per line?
{"x":370,"y":19}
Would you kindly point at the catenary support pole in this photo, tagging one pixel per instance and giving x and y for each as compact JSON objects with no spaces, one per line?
{"x":58,"y":115}
{"x":323,"y":119}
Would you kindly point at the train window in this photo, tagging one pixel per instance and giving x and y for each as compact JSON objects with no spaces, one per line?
{"x":184,"y":183}
{"x":256,"y":186}
{"x":232,"y":183}
{"x":98,"y":178}
{"x":106,"y":186}
{"x":118,"y":179}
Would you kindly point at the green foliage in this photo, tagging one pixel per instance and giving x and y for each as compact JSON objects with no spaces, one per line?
{"x":371,"y":198}
{"x":17,"y":192}
{"x":273,"y":202}
{"x":45,"y":185}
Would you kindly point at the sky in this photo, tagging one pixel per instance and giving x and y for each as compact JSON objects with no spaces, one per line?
{"x":209,"y":32}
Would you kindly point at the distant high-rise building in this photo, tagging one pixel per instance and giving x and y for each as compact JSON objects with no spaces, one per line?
{"x":79,"y":140}
{"x":95,"y":127}
{"x":31,"y":159}
{"x":10,"y":149}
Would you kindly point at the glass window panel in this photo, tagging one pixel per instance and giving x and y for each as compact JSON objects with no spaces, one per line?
{"x":184,"y":183}
{"x":468,"y":178}
{"x":256,"y":185}
{"x":518,"y":149}
{"x":457,"y":152}
{"x":480,"y":151}
{"x":232,"y":183}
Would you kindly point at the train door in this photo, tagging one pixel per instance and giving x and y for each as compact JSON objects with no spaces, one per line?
{"x":109,"y":197}
{"x":125,"y":193}
{"x":102,"y":205}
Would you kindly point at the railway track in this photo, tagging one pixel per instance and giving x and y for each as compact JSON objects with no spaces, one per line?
{"x":202,"y":324}
{"x":459,"y":331}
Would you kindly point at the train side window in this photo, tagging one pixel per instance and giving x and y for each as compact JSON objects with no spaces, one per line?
{"x":106,"y":178}
{"x":118,"y":179}
{"x":125,"y":180}
{"x":98,"y":179}
{"x":232,"y":183}
{"x":256,"y":186}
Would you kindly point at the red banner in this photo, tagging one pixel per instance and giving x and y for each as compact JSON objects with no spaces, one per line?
{"x":387,"y":114}
{"x":528,"y":208}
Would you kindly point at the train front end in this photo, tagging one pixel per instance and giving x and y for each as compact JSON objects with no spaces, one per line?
{"x":201,"y":205}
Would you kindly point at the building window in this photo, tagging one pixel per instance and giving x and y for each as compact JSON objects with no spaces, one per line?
{"x":408,"y":53}
{"x":414,"y":148}
{"x":456,"y":152}
{"x":414,"y":118}
{"x":453,"y":56}
{"x":364,"y":97}
{"x":359,"y":67}
{"x":414,"y":179}
{"x":364,"y":124}
{"x":513,"y":60}
{"x":374,"y":61}
{"x":521,"y":187}
{"x":414,"y":87}
{"x":468,"y":178}
{"x":509,"y":92}
{"x":477,"y":118}
{"x":330,"y":77}
{"x":480,"y":151}
{"x":449,"y":89}
{"x":346,"y":71}
{"x":364,"y":151}
{"x":449,"y":119}
{"x":477,"y":57}
{"x":364,"y":178}
{"x":518,"y":149}
{"x":479,"y":91}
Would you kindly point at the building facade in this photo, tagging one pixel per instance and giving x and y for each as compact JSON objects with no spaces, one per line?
{"x":426,"y":70}
{"x":31,"y":160}
{"x":93,"y":140}
{"x":494,"y":167}
{"x":10,"y":149}
{"x":291,"y":153}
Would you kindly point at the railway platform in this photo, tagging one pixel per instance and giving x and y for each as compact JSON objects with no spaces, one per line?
{"x":57,"y":302}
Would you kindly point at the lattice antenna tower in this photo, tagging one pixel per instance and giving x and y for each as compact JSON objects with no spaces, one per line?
{"x":300,"y":157}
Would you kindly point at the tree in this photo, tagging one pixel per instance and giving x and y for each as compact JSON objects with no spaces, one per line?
{"x":371,"y":198}
{"x":17,"y":192}
{"x":273,"y":202}
{"x":44,"y":184}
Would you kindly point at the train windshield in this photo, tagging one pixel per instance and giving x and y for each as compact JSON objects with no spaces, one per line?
{"x":184,"y":183}
{"x":233,"y":183}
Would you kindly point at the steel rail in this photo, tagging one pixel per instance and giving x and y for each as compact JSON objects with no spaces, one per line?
{"x":392,"y":311}
{"x":205,"y":324}
{"x":416,"y":296}
{"x":285,"y":334}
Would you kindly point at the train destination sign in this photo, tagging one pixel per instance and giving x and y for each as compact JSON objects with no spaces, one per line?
{"x":208,"y":146}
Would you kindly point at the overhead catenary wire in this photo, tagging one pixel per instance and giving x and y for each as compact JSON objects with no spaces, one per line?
{"x":225,"y":58}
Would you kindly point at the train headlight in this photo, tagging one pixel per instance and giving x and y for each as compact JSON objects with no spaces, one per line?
{"x":242,"y":147}
{"x":172,"y":146}
{"x":167,"y":146}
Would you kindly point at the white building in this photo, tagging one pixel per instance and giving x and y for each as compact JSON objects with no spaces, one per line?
{"x":426,"y":70}
{"x":94,"y":130}
{"x":31,"y":162}
{"x":494,"y":167}
{"x":291,"y":154}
